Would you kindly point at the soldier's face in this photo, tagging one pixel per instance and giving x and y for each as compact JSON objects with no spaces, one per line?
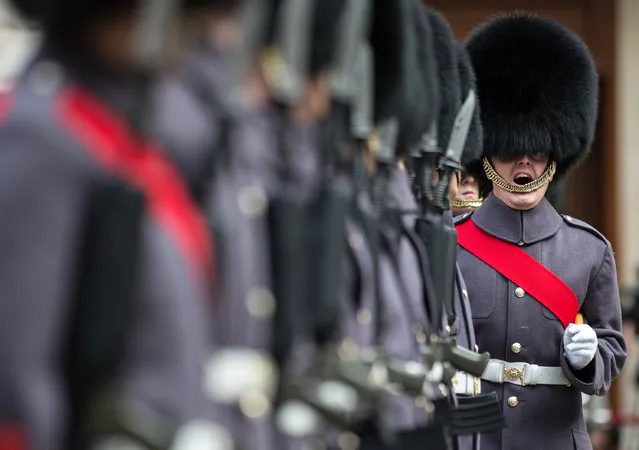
{"x":521,"y":171}
{"x":468,"y":187}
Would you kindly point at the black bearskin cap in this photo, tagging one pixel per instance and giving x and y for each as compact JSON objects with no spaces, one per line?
{"x":476,"y":169}
{"x":538,"y":88}
{"x":474,"y":141}
{"x":325,"y":33}
{"x":46,"y":12}
{"x":324,"y":21}
{"x":427,"y":64}
{"x":387,"y":39}
{"x":448,"y":75}
{"x":415,"y":111}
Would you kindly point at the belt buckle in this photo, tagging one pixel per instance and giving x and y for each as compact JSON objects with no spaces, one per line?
{"x":513,"y":374}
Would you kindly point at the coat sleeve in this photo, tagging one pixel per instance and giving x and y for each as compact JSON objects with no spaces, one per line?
{"x":602,"y":311}
{"x":41,"y":191}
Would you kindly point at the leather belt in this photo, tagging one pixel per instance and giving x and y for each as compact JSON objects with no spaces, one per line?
{"x":466,"y":384}
{"x":523,"y":374}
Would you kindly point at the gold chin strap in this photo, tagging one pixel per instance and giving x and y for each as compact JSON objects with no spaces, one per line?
{"x":463,"y":203}
{"x":545,"y":177}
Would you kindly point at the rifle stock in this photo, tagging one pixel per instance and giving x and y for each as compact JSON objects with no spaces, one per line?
{"x":447,"y":350}
{"x":105,"y":303}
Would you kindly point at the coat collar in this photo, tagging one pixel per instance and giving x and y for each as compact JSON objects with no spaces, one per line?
{"x":518,"y":227}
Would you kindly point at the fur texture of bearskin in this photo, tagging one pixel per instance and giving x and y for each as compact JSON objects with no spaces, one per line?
{"x":427,"y":63}
{"x":415,"y":109}
{"x":448,"y":76}
{"x":538,"y":88}
{"x":474,"y":141}
{"x":387,"y":38}
{"x":325,"y":33}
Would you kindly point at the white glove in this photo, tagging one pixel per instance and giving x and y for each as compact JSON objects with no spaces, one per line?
{"x":580,"y":345}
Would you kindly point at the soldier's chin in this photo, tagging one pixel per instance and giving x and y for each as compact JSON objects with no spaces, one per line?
{"x":524,"y":201}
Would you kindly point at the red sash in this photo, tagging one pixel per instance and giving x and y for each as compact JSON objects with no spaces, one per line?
{"x":114,"y":147}
{"x":12,"y":437}
{"x":522,"y":269}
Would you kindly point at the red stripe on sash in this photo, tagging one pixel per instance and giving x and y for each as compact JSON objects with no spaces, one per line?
{"x":6,"y":101}
{"x":522,"y":269}
{"x":12,"y":437}
{"x":112,"y":144}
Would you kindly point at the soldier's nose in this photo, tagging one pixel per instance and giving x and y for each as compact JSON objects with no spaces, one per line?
{"x":525,"y":161}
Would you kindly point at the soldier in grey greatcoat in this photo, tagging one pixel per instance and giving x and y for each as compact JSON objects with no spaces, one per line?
{"x":537,"y":86}
{"x":234,"y":160}
{"x":73,"y":171}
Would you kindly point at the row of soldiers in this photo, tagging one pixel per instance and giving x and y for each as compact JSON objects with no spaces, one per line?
{"x":253,"y":247}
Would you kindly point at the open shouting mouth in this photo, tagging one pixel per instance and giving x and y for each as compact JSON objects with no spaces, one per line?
{"x":522,"y":178}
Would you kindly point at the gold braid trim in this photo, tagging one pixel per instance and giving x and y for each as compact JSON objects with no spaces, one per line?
{"x":493,"y":176}
{"x":463,"y":203}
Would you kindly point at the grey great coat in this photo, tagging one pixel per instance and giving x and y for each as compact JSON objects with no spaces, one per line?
{"x":49,"y":164}
{"x":544,"y":417}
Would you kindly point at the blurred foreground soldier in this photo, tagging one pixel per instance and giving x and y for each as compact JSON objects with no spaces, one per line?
{"x":106,"y":264}
{"x":529,"y":270}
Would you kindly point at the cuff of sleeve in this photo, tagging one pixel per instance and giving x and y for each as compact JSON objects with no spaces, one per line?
{"x":583,"y":379}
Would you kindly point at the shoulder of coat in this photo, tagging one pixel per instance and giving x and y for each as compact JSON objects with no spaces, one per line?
{"x":462,"y":218}
{"x":576,"y":223}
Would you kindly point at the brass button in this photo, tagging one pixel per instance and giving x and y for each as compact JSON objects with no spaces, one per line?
{"x":516,"y":347}
{"x":465,"y":294}
{"x":418,"y":331}
{"x":260,"y":303}
{"x":520,"y":243}
{"x":364,"y":316}
{"x":348,"y":441}
{"x":519,"y":292}
{"x":348,"y":350}
{"x":447,"y":329}
{"x":252,"y":201}
{"x":513,"y":401}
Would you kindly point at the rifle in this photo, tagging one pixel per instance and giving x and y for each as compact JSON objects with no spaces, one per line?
{"x":440,"y":240}
{"x":336,"y":373}
{"x":337,"y":191}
